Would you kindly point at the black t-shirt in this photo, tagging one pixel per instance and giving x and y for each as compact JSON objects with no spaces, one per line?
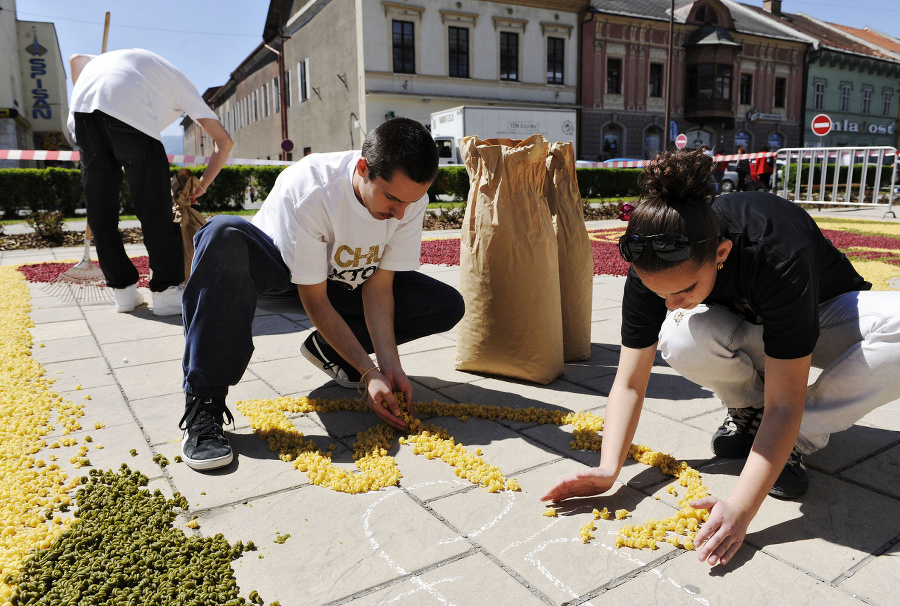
{"x":780,"y":269}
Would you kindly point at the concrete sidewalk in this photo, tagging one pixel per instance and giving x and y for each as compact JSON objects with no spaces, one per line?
{"x":436,"y":539}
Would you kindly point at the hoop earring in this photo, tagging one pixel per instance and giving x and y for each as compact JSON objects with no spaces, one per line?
{"x":720,"y":266}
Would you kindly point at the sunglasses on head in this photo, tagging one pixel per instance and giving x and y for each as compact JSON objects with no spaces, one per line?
{"x":667,"y":247}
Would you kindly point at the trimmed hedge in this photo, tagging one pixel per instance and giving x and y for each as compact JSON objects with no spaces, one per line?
{"x":52,"y":189}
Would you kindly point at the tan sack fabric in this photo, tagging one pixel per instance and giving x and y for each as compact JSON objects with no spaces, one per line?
{"x":509,"y":264}
{"x":576,"y":257}
{"x":184,"y":184}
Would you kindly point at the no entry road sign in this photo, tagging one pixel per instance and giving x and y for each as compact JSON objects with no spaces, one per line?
{"x":821,"y":125}
{"x":681,"y":141}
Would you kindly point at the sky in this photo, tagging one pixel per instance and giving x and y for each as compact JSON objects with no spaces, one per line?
{"x":208,"y":39}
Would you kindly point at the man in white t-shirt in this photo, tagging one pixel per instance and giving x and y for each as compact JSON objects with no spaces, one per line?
{"x":121,"y":102}
{"x":344,"y":231}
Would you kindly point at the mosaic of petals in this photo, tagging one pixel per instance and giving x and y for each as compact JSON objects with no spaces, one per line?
{"x":872,"y":246}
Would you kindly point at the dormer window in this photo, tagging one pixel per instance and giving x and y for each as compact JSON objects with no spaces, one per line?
{"x":705,"y":14}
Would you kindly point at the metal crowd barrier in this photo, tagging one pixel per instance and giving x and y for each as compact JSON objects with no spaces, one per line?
{"x":829,"y":176}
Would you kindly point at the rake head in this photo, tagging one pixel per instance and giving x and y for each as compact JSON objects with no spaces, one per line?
{"x":83,"y":281}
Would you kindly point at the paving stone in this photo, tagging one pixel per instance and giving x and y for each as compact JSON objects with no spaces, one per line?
{"x":67,"y":329}
{"x":879,"y":472}
{"x":876,"y":580}
{"x":471,"y":579}
{"x":61,"y":350}
{"x":144,"y":351}
{"x":513,"y":529}
{"x":86,"y":372}
{"x":752,"y":578}
{"x":356,"y":542}
{"x":826,"y":532}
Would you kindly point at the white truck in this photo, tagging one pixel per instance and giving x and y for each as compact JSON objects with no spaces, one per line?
{"x":451,"y":125}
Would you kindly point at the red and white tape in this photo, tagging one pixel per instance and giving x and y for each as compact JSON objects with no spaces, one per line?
{"x":74,"y":156}
{"x":643,"y":163}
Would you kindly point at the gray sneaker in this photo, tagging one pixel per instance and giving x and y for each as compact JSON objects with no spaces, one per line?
{"x":204,"y":445}
{"x":793,"y":481}
{"x":734,"y":438}
{"x":313,"y":352}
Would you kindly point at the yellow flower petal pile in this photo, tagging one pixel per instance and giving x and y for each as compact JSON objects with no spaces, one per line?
{"x":684,"y":522}
{"x":377,"y":469}
{"x":30,"y":490}
{"x":585,"y":531}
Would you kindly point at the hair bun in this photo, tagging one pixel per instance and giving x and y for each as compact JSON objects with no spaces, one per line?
{"x":682,"y":177}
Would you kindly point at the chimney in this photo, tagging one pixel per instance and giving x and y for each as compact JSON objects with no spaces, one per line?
{"x":772,"y":6}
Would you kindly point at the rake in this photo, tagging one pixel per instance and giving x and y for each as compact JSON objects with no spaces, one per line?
{"x":83,"y":281}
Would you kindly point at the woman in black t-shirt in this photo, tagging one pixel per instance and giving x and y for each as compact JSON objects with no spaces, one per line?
{"x":743,"y":294}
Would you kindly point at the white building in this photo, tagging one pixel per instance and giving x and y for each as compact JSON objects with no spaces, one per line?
{"x":33,"y":102}
{"x":350,"y":64}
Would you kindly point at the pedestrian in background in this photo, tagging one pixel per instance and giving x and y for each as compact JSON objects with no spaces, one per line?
{"x":121,"y":102}
{"x":743,"y":170}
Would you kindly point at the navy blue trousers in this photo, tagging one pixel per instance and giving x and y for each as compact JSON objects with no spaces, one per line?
{"x":107,"y":146}
{"x":235,"y":263}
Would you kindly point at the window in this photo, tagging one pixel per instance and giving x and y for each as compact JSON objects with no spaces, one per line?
{"x":706,"y":14}
{"x":265,"y":100}
{"x":656,"y":80}
{"x":614,"y":76}
{"x":458,"y":51}
{"x":256,"y":106}
{"x":819,"y":96}
{"x":404,"y":47}
{"x":556,"y":53}
{"x":845,"y":98}
{"x":886,"y":98}
{"x":746,"y":90}
{"x":303,"y":79}
{"x":709,"y":81}
{"x":509,"y":56}
{"x":289,"y":94}
{"x":780,"y":92}
{"x":867,"y":101}
{"x":276,"y":103}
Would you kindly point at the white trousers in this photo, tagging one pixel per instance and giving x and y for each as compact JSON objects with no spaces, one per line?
{"x":858,"y":351}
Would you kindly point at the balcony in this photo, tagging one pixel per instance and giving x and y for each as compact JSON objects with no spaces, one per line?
{"x":706,"y":110}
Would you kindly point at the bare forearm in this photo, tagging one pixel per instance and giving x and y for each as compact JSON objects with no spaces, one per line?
{"x":335,"y":331}
{"x":378,"y":306}
{"x":772,"y":446}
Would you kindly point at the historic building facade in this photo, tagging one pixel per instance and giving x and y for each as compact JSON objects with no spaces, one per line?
{"x":347,"y":65}
{"x":736,"y":78}
{"x":849,"y":80}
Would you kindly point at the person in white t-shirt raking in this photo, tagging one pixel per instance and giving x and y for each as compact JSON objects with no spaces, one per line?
{"x":121,"y":102}
{"x":343,"y":230}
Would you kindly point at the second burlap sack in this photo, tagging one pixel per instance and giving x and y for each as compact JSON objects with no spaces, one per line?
{"x":509,"y":264}
{"x":576,"y":257}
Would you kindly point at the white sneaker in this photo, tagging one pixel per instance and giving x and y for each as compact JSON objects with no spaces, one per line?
{"x":167,"y":302}
{"x":127,"y":298}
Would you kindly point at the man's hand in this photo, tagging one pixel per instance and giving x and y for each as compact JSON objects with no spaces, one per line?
{"x":380,"y":388}
{"x":585,"y":483}
{"x":723,"y":533}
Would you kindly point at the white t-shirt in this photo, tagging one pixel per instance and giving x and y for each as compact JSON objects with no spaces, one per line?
{"x":139,"y":88}
{"x":325,"y":233}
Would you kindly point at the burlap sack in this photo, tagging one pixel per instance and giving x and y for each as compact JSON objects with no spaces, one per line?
{"x":509,"y":264}
{"x":184,"y":184}
{"x":576,"y":257}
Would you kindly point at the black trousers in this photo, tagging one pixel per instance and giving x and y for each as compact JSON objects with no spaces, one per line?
{"x":108,"y":146}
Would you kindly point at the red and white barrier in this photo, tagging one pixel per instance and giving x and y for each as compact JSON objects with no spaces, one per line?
{"x":643,"y":163}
